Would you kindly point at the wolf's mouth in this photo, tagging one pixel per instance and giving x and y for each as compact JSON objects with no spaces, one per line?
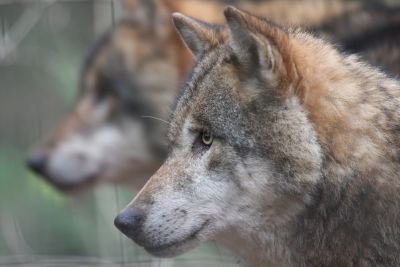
{"x":174,"y":248}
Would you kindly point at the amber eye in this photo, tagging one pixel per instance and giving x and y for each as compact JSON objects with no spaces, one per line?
{"x":207,"y":138}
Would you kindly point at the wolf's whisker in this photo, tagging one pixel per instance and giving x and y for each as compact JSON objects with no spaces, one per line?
{"x":155,"y":118}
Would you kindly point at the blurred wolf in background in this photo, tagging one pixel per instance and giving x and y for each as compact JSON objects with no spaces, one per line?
{"x":115,"y":132}
{"x":283,"y":150}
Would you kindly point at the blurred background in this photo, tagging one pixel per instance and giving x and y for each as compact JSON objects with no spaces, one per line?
{"x":42,"y":47}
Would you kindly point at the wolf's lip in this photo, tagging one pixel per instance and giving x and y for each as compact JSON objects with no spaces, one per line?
{"x":165,"y":249}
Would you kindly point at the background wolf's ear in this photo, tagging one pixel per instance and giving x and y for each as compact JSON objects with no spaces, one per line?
{"x":253,"y":50}
{"x":143,"y":11}
{"x":153,"y":15}
{"x":196,"y":35}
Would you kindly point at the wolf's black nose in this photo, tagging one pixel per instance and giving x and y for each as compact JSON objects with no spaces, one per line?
{"x":37,"y":161}
{"x":130,"y":221}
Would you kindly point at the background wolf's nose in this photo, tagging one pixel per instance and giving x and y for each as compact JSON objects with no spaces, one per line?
{"x":37,"y":161}
{"x":130,"y":221}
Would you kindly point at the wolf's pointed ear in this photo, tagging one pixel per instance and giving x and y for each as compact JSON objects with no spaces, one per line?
{"x":196,"y":35}
{"x":253,"y":49}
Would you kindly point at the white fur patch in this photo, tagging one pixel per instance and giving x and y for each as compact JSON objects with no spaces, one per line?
{"x":104,"y":152}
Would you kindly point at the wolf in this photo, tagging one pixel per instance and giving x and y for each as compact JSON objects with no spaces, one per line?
{"x":282,"y":149}
{"x":115,"y":131}
{"x":136,"y":67}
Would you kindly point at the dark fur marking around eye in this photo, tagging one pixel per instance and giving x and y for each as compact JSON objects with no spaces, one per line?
{"x":231,"y":60}
{"x":199,"y":147}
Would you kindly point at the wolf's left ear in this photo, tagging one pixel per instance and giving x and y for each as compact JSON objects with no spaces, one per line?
{"x":254,"y":42}
{"x":197,"y":35}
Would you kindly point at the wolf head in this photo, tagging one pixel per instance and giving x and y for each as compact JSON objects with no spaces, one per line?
{"x":110,"y":133}
{"x":243,"y":153}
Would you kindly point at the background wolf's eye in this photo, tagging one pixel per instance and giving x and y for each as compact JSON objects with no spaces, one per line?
{"x":207,"y":138}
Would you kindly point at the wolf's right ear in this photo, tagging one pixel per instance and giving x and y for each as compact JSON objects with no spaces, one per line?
{"x":198,"y":36}
{"x":255,"y":43}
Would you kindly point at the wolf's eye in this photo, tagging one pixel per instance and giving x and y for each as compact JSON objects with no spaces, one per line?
{"x":207,"y":138}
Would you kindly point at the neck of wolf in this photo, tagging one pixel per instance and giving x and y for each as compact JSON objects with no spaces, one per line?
{"x":254,"y":248}
{"x":262,"y":239}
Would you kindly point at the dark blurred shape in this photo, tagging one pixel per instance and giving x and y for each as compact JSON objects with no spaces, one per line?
{"x":36,"y":162}
{"x":372,"y":31}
